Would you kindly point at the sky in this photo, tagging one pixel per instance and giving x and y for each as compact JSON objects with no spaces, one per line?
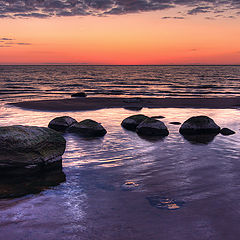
{"x":119,"y":32}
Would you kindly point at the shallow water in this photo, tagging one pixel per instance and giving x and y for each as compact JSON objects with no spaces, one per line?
{"x":93,"y":204}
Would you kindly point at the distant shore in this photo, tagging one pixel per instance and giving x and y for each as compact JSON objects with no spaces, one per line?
{"x":95,"y":103}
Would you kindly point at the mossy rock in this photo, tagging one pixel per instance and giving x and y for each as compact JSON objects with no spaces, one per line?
{"x":131,"y":123}
{"x":27,"y":149}
{"x":88,"y":128}
{"x":199,"y":125}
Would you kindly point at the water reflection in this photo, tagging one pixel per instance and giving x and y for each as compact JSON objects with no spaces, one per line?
{"x":12,"y":187}
{"x":200,"y":138}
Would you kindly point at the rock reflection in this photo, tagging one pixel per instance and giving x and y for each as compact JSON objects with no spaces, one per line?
{"x":19,"y":186}
{"x":200,"y":138}
{"x":152,"y":138}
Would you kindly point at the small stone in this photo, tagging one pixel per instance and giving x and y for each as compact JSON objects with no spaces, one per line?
{"x":79,"y":94}
{"x":158,"y":117}
{"x":133,"y":107}
{"x":226,"y":131}
{"x":175,"y":123}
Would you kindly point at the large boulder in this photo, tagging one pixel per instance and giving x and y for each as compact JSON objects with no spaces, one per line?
{"x":199,"y":125}
{"x":152,"y":127}
{"x":131,"y":123}
{"x":88,"y":128}
{"x":27,"y":150}
{"x":61,"y":123}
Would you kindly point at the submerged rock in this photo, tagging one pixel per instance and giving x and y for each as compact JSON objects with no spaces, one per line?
{"x":129,"y":186}
{"x":132,"y":100}
{"x":79,"y":94}
{"x":88,"y":128}
{"x":226,"y":131}
{"x":199,"y":125}
{"x":152,"y":127}
{"x":164,"y":203}
{"x":61,"y":123}
{"x":131,"y":123}
{"x":27,"y":150}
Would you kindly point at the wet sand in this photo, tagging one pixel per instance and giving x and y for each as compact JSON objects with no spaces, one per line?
{"x":95,"y":103}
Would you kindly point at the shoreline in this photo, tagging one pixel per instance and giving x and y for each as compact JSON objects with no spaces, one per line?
{"x":96,"y":103}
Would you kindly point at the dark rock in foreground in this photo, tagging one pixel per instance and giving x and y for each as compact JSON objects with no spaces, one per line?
{"x":199,"y":125}
{"x":152,"y":127}
{"x":226,"y":131}
{"x":61,"y":123}
{"x":88,"y":128}
{"x":79,"y":94}
{"x":27,"y":150}
{"x":132,"y":122}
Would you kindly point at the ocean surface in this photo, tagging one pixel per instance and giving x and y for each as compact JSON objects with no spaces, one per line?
{"x":43,"y":82}
{"x":200,"y":177}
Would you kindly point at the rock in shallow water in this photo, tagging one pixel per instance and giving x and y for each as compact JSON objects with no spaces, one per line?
{"x":226,"y":131}
{"x":61,"y":123}
{"x":131,"y":123}
{"x":199,"y":125}
{"x":88,"y":128}
{"x":27,"y":150}
{"x":152,"y":127}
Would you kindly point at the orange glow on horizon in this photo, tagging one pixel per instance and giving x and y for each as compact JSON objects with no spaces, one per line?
{"x":130,"y":39}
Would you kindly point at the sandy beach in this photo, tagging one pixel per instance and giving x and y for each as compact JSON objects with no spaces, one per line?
{"x":95,"y":103}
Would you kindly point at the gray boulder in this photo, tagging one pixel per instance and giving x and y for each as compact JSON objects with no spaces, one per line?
{"x":131,"y":123}
{"x":226,"y":131}
{"x":26,"y":149}
{"x":199,"y":125}
{"x":152,"y":127}
{"x":88,"y":128}
{"x":61,"y":123}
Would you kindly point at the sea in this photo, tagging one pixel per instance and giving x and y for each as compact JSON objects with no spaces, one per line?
{"x":45,"y":82}
{"x":122,"y":186}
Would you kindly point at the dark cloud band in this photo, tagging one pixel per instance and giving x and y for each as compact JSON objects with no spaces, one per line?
{"x":49,"y":8}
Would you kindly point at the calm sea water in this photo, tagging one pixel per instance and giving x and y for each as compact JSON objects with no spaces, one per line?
{"x":38,"y":82}
{"x":92,"y":203}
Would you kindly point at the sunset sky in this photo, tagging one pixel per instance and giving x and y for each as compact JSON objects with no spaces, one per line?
{"x":119,"y":32}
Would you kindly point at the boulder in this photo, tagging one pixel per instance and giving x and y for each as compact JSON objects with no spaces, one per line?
{"x":79,"y":94}
{"x":130,"y":123}
{"x":88,"y":128}
{"x":226,"y":131}
{"x":61,"y":123}
{"x":199,"y":125}
{"x":27,"y":150}
{"x":152,"y":127}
